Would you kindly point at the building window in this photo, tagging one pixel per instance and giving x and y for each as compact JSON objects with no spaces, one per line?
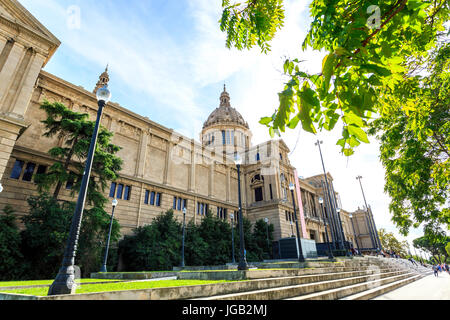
{"x":17,"y":169}
{"x":281,"y":156}
{"x":258,"y":157}
{"x":127,"y":194}
{"x":70,"y":181}
{"x":152,"y":198}
{"x":258,"y":194}
{"x":236,"y":215}
{"x":119,"y":191}
{"x":289,"y":216}
{"x":41,"y":169}
{"x":122,"y":191}
{"x":270,"y":189}
{"x":158,"y":199}
{"x":28,"y":173}
{"x":112,"y":190}
{"x":221,"y":213}
{"x":177,"y":203}
{"x":223,"y":137}
{"x":146,"y":196}
{"x":202,"y":208}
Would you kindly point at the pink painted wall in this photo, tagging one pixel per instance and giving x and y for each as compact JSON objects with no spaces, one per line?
{"x":304,"y":234}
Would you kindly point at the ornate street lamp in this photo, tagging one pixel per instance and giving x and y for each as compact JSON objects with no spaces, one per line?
{"x":299,"y":241}
{"x":354,"y":233}
{"x":232,"y":236}
{"x":182,"y":239}
{"x":114,"y":204}
{"x":64,"y":282}
{"x":330,"y":253}
{"x":242,"y":259}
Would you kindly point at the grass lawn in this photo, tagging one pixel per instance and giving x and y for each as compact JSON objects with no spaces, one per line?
{"x":86,"y":288}
{"x":45,"y":282}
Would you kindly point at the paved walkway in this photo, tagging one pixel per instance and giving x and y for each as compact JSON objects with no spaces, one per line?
{"x":427,"y":288}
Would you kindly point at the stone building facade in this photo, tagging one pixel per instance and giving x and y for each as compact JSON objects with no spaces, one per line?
{"x":162,"y":169}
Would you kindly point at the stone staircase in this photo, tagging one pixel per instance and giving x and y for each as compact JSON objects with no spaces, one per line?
{"x":360,"y":278}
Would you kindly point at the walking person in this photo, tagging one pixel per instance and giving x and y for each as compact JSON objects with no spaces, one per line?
{"x":435,"y":270}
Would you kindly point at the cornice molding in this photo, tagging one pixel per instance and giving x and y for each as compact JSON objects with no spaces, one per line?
{"x":26,"y":24}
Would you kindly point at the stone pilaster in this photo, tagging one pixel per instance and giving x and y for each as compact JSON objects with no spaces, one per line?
{"x":169,"y":148}
{"x":192,"y":168}
{"x":142,"y":153}
{"x":9,"y":132}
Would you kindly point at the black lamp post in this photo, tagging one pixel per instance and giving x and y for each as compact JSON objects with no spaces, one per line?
{"x":242,"y":259}
{"x":329,"y":217}
{"x":182,"y":239}
{"x":371,"y":223}
{"x":103,"y":269}
{"x":299,"y":241}
{"x":354,"y":233}
{"x":330,"y":253}
{"x":64,"y":282}
{"x":330,"y":200}
{"x":232,"y":236}
{"x":344,"y":242}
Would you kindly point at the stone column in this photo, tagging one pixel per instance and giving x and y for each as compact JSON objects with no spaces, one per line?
{"x":300,"y":207}
{"x":228,"y":183}
{"x":168,"y":161}
{"x":211,"y":178}
{"x":192,"y":169}
{"x":140,"y":205}
{"x":140,"y":165}
{"x":9,"y":131}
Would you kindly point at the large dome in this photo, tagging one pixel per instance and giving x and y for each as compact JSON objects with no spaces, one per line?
{"x":225,"y":114}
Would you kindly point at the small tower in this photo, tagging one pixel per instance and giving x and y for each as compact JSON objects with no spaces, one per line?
{"x":102,"y":80}
{"x":225,"y":98}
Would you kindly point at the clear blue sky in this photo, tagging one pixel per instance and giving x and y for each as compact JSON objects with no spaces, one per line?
{"x":168,"y":61}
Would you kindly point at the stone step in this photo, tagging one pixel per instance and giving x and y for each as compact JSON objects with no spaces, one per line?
{"x":347,"y":290}
{"x":264,"y":273}
{"x":375,"y":292}
{"x":311,"y":286}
